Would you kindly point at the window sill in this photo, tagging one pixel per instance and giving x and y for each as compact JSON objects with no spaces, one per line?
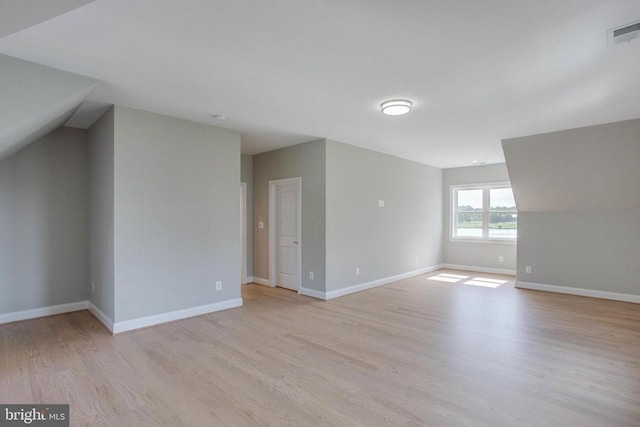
{"x":489,"y":241}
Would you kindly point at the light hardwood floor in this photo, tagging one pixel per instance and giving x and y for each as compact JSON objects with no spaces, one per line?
{"x":417,"y":352}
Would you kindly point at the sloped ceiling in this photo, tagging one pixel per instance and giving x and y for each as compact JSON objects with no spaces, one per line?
{"x":16,"y":15}
{"x":287,"y":71}
{"x":595,"y":168}
{"x":35,"y":100}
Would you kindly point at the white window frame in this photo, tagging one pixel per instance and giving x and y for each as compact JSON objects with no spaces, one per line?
{"x":453,"y":207}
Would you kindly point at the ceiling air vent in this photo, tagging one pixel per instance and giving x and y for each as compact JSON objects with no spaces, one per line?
{"x":625,"y":33}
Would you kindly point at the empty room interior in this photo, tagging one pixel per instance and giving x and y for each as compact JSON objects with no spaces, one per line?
{"x":349,"y":213}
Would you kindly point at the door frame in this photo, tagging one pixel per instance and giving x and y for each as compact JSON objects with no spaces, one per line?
{"x":272,"y":228}
{"x":243,"y":272}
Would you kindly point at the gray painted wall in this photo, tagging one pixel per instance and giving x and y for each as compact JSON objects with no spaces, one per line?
{"x":578,"y":196}
{"x":101,"y":213}
{"x":44,"y":223}
{"x":381,"y":242}
{"x":475,"y":254}
{"x":586,"y":169}
{"x":597,"y":250}
{"x":246,"y":175}
{"x":176,"y":214}
{"x":307,"y":161}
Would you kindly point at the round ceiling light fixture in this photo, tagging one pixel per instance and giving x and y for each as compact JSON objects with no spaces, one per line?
{"x":396,"y":107}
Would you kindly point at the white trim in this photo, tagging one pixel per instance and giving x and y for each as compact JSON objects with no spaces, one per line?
{"x":243,"y":226}
{"x":313,"y":293}
{"x":453,"y":204}
{"x":103,"y":318}
{"x":261,"y":281}
{"x":143,"y":322}
{"x":250,"y":279}
{"x":491,"y":241}
{"x":486,"y":184}
{"x":375,"y":283}
{"x":579,"y":291}
{"x":489,"y":270}
{"x":272,"y":229}
{"x":16,"y":316}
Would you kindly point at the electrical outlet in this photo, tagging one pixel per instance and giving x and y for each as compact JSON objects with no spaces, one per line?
{"x":218,"y":285}
{"x":528,"y":269}
{"x":357,"y":271}
{"x":381,"y":203}
{"x":500,"y":259}
{"x":93,"y":287}
{"x":311,"y":275}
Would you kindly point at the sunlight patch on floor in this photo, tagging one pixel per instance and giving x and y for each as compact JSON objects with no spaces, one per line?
{"x":482,"y":283}
{"x":455,"y":276}
{"x":440,"y":278}
{"x":473,"y":281}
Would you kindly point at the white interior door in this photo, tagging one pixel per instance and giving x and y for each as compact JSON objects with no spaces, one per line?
{"x":287,"y":234}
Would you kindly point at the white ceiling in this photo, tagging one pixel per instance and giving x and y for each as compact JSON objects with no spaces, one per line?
{"x":285,"y":72}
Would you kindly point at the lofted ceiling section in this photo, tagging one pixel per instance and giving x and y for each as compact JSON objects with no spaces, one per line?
{"x":35,"y":100}
{"x":288,"y":71}
{"x":590,"y":169}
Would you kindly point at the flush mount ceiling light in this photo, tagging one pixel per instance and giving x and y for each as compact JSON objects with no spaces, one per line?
{"x":396,"y":107}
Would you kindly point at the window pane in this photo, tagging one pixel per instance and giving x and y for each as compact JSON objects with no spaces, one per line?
{"x":501,"y":199}
{"x":503,"y":224}
{"x":469,"y":200}
{"x":469,"y":225}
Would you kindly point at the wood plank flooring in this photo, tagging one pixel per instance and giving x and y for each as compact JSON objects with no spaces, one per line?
{"x":417,"y":352}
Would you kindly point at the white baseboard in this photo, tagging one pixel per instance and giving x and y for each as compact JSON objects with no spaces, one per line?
{"x":103,"y":318}
{"x":261,"y":281}
{"x":157,"y":319}
{"x":117,"y":327}
{"x":373,"y":284}
{"x":579,"y":291}
{"x":43,"y":311}
{"x":313,"y":293}
{"x":248,"y":279}
{"x":489,"y":270}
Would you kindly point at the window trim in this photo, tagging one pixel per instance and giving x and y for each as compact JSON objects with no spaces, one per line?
{"x":453,"y":204}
